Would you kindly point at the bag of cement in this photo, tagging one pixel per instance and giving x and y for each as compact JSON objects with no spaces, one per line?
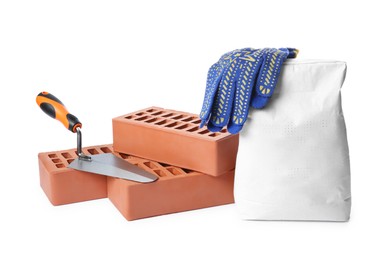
{"x":293,"y":160}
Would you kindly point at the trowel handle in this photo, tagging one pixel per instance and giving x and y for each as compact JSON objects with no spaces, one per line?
{"x":53,"y":107}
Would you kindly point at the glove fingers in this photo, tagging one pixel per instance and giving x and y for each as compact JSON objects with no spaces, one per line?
{"x":215,"y":125}
{"x":292,"y":53}
{"x":213,"y":79}
{"x":222,"y":104}
{"x":243,"y":90}
{"x":268,"y":77}
{"x":213,"y":128}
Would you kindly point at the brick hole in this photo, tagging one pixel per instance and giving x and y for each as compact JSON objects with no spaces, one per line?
{"x":193,"y":129}
{"x":142,"y":118}
{"x":60,"y":165}
{"x":52,"y":155}
{"x":167,"y":115}
{"x":150,"y":165}
{"x":160,"y":173}
{"x":151,"y":110}
{"x":196,"y":121}
{"x":93,"y":151}
{"x":182,"y":126}
{"x":187,"y":119}
{"x":177,"y":117}
{"x":224,"y":130}
{"x":187,"y":171}
{"x":56,"y":160}
{"x":162,"y":122}
{"x":124,"y":156}
{"x":164,"y":164}
{"x":151,"y":120}
{"x":75,"y":152}
{"x":70,"y":160}
{"x":105,"y":150}
{"x":213,"y":134}
{"x":129,"y":117}
{"x":140,"y":114}
{"x":204,"y":132}
{"x":157,"y":113}
{"x":175,"y":171}
{"x":172,"y":124}
{"x":66,"y":155}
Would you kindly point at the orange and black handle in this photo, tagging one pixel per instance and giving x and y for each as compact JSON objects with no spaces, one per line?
{"x":53,"y":107}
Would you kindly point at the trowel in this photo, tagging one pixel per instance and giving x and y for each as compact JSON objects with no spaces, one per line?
{"x":104,"y":164}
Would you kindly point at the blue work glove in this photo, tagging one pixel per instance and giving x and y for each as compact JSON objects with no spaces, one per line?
{"x":230,"y":83}
{"x":269,"y":74}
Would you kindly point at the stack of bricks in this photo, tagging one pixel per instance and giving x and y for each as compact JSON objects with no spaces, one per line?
{"x":195,"y":167}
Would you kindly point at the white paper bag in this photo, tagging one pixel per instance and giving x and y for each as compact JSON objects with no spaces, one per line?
{"x":293,"y":160}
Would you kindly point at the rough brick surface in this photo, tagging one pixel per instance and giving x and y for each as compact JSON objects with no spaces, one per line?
{"x":174,"y":137}
{"x":63,"y":185}
{"x":176,"y":190}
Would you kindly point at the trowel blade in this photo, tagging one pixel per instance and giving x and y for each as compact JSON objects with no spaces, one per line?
{"x":110,"y":165}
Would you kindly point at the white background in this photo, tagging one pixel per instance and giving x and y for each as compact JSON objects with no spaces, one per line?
{"x":107,"y":58}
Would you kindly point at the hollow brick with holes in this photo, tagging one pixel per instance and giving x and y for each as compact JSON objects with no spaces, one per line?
{"x":174,"y":137}
{"x":176,"y":190}
{"x":63,"y":185}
